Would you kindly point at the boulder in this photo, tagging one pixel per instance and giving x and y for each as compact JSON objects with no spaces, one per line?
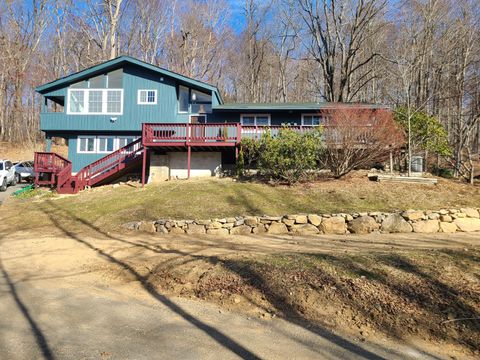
{"x":314,"y":219}
{"x":468,"y":224}
{"x":304,"y":229}
{"x":177,"y":230}
{"x":214,"y":225}
{"x":301,"y":219}
{"x":288,"y":222}
{"x":251,"y":221}
{"x":231,"y":220}
{"x":241,"y":230}
{"x":448,"y":227}
{"x":333,"y":225}
{"x":470,"y":212}
{"x":395,"y":223}
{"x":446,"y":218}
{"x":239,"y":222}
{"x":433,"y":216}
{"x":427,"y":226}
{"x":413,"y":215}
{"x":147,"y":226}
{"x":203,"y":222}
{"x":161,"y":229}
{"x":218,"y":231}
{"x":195,"y":229}
{"x":277,"y":228}
{"x":260,"y":229}
{"x":363,"y":225}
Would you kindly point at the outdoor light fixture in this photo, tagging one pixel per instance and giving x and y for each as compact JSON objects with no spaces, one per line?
{"x":113,"y":119}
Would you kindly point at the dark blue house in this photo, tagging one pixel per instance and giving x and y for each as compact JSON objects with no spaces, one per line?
{"x":125,"y":113}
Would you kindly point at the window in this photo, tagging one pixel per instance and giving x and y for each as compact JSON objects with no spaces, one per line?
{"x":114,"y":101}
{"x":183,"y":99}
{"x":106,"y":144}
{"x":255,"y":120}
{"x":86,"y":144}
{"x":125,"y":140}
{"x":98,"y":82}
{"x":147,"y":97}
{"x":76,"y":101}
{"x":114,"y":79}
{"x":311,"y":120}
{"x":95,"y":101}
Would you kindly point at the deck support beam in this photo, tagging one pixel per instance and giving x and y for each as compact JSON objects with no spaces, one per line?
{"x":189,"y":160}
{"x":144,"y":165}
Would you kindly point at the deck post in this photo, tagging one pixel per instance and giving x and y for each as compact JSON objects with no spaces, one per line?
{"x":189,"y":158}
{"x":144,"y":165}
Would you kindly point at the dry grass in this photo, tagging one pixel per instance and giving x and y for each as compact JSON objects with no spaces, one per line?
{"x":110,"y":206}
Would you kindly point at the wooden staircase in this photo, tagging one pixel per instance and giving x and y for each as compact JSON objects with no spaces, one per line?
{"x":54,"y":170}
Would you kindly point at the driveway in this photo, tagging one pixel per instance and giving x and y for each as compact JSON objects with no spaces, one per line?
{"x":10,"y":190}
{"x":58,"y":302}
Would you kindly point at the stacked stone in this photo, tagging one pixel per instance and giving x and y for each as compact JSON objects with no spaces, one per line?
{"x":447,"y":221}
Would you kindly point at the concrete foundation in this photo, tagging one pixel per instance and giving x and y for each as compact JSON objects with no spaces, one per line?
{"x":173,"y":165}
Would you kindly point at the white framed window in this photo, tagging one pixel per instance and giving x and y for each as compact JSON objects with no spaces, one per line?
{"x":106,"y":144}
{"x":95,"y":101}
{"x":147,"y":97}
{"x":312,"y":120}
{"x":86,"y":144}
{"x":255,"y":119}
{"x":125,"y":140}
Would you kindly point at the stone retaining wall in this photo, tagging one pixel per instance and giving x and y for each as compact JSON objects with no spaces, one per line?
{"x":447,"y":221}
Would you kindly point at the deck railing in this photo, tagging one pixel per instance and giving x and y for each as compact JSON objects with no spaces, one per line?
{"x":192,"y":134}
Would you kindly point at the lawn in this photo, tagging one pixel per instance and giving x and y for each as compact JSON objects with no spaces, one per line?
{"x":109,"y":206}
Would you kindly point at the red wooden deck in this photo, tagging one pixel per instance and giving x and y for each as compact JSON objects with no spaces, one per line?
{"x":53,"y":170}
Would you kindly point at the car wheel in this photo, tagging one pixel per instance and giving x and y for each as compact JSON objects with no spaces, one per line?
{"x":18,"y":178}
{"x":3,"y":187}
{"x":14,"y":181}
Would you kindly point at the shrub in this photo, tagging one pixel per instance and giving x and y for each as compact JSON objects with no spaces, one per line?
{"x":286,"y":156}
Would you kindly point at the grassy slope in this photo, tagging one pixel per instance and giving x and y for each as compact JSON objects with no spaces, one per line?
{"x":110,"y":206}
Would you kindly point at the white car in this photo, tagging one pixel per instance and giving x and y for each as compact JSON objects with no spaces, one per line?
{"x":24,"y":171}
{"x":7,"y":174}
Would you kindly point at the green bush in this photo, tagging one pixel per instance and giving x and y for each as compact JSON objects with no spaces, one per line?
{"x":442,"y":172}
{"x":286,"y":156}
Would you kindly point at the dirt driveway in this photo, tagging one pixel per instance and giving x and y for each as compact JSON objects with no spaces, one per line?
{"x":84,"y":294}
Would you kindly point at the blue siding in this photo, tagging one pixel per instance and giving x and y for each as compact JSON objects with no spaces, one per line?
{"x":133,"y":116}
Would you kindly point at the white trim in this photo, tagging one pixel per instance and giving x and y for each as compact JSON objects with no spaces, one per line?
{"x":307,"y":114}
{"x":255,"y":119}
{"x":146,"y":102}
{"x":86,"y":137}
{"x":85,"y":102}
{"x":178,"y":100}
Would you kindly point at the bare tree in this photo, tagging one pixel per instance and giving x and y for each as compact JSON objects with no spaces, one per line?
{"x":337,"y":31}
{"x":356,"y":138}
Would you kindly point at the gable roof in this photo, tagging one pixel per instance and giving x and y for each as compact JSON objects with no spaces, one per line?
{"x":294,"y":106}
{"x":124,"y":59}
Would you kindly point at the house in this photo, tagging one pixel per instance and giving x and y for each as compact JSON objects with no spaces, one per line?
{"x":126,"y":114}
